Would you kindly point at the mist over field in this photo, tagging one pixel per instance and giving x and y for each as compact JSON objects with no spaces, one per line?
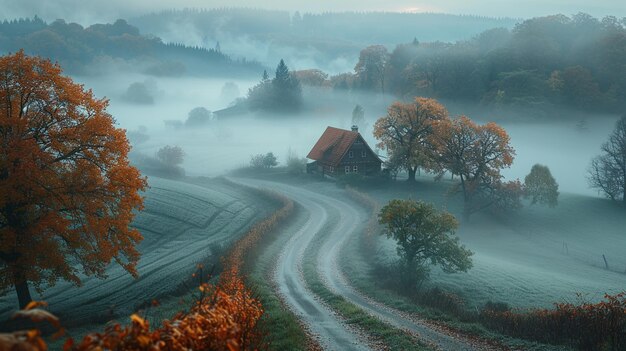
{"x":354,"y":175}
{"x":224,"y":144}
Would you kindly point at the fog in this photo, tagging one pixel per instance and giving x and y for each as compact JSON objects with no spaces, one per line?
{"x":206,"y":89}
{"x":223,"y":145}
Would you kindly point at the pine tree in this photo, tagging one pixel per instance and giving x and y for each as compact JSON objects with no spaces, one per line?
{"x":282,"y":74}
{"x":287,"y":90}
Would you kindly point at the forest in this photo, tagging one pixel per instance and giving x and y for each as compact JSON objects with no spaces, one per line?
{"x":85,"y":50}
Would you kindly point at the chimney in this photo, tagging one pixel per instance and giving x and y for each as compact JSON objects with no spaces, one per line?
{"x":355,"y":128}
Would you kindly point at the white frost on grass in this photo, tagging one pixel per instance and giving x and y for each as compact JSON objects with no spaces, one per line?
{"x":533,"y":258}
{"x":180,"y":222}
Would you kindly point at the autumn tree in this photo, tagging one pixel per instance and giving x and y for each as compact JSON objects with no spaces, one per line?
{"x":370,"y":69}
{"x":607,"y":172}
{"x":67,"y":191}
{"x":425,"y":236}
{"x":405,"y":132}
{"x":312,"y":77}
{"x":476,"y":153}
{"x":541,"y":187}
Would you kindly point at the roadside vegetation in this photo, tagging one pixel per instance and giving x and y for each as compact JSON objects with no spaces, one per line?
{"x":255,"y":255}
{"x":390,"y":337}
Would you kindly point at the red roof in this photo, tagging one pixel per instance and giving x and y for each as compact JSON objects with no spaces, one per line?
{"x":333,"y":145}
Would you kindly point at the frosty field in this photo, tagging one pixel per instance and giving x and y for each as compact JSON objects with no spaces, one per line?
{"x":180,"y":223}
{"x":532,"y":258}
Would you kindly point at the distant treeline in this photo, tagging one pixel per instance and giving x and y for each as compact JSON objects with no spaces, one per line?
{"x":577,"y":61}
{"x":78,"y":49}
{"x":355,"y":27}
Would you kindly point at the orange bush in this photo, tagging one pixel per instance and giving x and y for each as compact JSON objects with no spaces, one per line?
{"x":221,"y":320}
{"x":224,"y":318}
{"x":599,"y":326}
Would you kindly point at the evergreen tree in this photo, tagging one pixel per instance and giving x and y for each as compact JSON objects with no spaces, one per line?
{"x":282,"y":74}
{"x":281,"y":94}
{"x":287,"y":90}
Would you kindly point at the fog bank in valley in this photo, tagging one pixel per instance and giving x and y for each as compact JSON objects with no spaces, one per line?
{"x":565,"y":145}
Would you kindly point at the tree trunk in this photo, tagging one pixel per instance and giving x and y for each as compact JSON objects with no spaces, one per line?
{"x":21,"y":288}
{"x":466,"y":201}
{"x":412,"y":172}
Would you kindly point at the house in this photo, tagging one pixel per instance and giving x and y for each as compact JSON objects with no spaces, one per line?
{"x":340,"y":151}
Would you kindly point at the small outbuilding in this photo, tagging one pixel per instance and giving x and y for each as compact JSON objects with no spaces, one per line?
{"x":340,"y":151}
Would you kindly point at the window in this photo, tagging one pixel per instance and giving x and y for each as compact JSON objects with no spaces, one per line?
{"x":331,"y":169}
{"x":363,"y":154}
{"x":347,"y":169}
{"x":355,"y":169}
{"x":358,"y":141}
{"x":350,"y":154}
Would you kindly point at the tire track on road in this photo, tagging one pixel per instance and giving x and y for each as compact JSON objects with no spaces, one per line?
{"x":352,"y":221}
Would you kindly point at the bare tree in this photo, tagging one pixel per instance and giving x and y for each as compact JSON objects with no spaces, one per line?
{"x":607,"y":172}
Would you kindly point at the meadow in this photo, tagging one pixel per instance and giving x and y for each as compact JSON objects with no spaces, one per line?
{"x":531,"y":258}
{"x":183,"y":225}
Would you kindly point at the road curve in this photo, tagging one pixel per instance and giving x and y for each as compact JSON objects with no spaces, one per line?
{"x":331,"y":332}
{"x":352,"y":221}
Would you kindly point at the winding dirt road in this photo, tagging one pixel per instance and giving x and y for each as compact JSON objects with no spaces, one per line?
{"x":331,"y":332}
{"x":352,"y":218}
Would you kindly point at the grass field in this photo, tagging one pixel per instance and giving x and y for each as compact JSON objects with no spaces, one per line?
{"x":531,"y":258}
{"x":181,"y":223}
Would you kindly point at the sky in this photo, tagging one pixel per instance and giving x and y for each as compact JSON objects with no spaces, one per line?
{"x":91,"y":11}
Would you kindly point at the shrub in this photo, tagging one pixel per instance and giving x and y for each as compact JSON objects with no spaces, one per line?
{"x":444,"y":301}
{"x":496,"y":307}
{"x":263,"y":161}
{"x":295,"y":164}
{"x":586,"y":326}
{"x":223,"y":318}
{"x":198,"y":117}
{"x":153,"y":166}
{"x":140,"y":93}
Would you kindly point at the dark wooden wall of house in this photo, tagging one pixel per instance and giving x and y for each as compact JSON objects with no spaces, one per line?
{"x":362,"y":157}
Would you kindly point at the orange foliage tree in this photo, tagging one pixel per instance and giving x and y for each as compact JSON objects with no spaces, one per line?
{"x":67,"y":190}
{"x":405,"y":132}
{"x":476,"y":153}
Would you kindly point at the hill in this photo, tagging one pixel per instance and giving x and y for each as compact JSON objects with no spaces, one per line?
{"x":183,"y":224}
{"x":330,"y":41}
{"x":87,"y":50}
